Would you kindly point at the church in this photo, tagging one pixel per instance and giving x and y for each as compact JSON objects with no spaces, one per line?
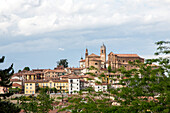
{"x":114,"y":60}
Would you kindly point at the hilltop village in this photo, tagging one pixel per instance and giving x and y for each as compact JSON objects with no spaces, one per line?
{"x":71,"y":80}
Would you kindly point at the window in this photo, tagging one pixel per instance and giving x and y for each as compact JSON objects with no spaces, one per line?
{"x":71,"y":81}
{"x":26,"y":91}
{"x":27,"y":84}
{"x":71,"y":88}
{"x":98,"y":86}
{"x":26,"y":87}
{"x":30,"y":87}
{"x":32,"y":92}
{"x":77,"y":84}
{"x":123,"y":60}
{"x":30,"y":84}
{"x":95,"y":63}
{"x":102,"y":51}
{"x":77,"y":88}
{"x":54,"y":84}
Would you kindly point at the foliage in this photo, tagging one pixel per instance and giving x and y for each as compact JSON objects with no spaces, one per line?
{"x":19,"y":71}
{"x":45,"y":102}
{"x":40,"y":104}
{"x":26,"y":68}
{"x":5,"y":76}
{"x":8,"y":107}
{"x":144,"y":89}
{"x":63,"y":62}
{"x":109,"y":69}
{"x":14,"y":90}
{"x":92,"y":68}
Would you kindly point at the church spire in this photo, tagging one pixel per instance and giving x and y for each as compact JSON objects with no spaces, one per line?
{"x":86,"y":54}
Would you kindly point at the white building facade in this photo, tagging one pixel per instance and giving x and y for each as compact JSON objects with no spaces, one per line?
{"x":74,"y":85}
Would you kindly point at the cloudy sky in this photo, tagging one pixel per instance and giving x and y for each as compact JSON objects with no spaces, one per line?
{"x":37,"y":33}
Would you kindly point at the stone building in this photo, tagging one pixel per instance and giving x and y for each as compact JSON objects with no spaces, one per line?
{"x":114,"y":60}
{"x":94,"y":60}
{"x":118,"y":60}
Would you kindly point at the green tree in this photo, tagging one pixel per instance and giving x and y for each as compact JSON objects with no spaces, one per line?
{"x":19,"y":71}
{"x":26,"y":68}
{"x":29,"y":106}
{"x":109,"y":69}
{"x":144,"y":89}
{"x":147,"y":89}
{"x":63,"y":62}
{"x":5,"y":75}
{"x":45,"y":104}
{"x":40,"y":104}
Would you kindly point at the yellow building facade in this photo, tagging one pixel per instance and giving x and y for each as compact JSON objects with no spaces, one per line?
{"x":30,"y":87}
{"x":60,"y":85}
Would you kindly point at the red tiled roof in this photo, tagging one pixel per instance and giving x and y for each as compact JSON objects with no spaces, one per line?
{"x":101,"y":84}
{"x":73,"y":77}
{"x":56,"y":70}
{"x":15,"y":80}
{"x":82,"y":61}
{"x":127,"y":55}
{"x":64,"y":76}
{"x":93,"y":55}
{"x":16,"y":84}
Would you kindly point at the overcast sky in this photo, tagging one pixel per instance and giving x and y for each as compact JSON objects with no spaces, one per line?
{"x":37,"y":33}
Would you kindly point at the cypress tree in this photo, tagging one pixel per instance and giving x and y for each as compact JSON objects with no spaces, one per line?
{"x":5,"y":76}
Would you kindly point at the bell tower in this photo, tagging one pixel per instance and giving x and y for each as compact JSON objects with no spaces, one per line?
{"x":86,"y":58}
{"x":103,"y":53}
{"x":86,"y":54}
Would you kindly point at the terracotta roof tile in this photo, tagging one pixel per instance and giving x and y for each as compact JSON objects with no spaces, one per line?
{"x":127,"y":55}
{"x":82,"y":61}
{"x":93,"y":55}
{"x":16,"y":84}
{"x":15,"y":80}
{"x":101,"y":84}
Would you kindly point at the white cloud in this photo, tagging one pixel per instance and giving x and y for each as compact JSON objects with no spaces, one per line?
{"x":61,"y":49}
{"x":40,"y":16}
{"x":43,"y":44}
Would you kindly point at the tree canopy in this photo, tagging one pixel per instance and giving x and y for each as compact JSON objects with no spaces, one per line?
{"x":144,"y":89}
{"x":26,"y":68}
{"x":5,"y":75}
{"x":63,"y":62}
